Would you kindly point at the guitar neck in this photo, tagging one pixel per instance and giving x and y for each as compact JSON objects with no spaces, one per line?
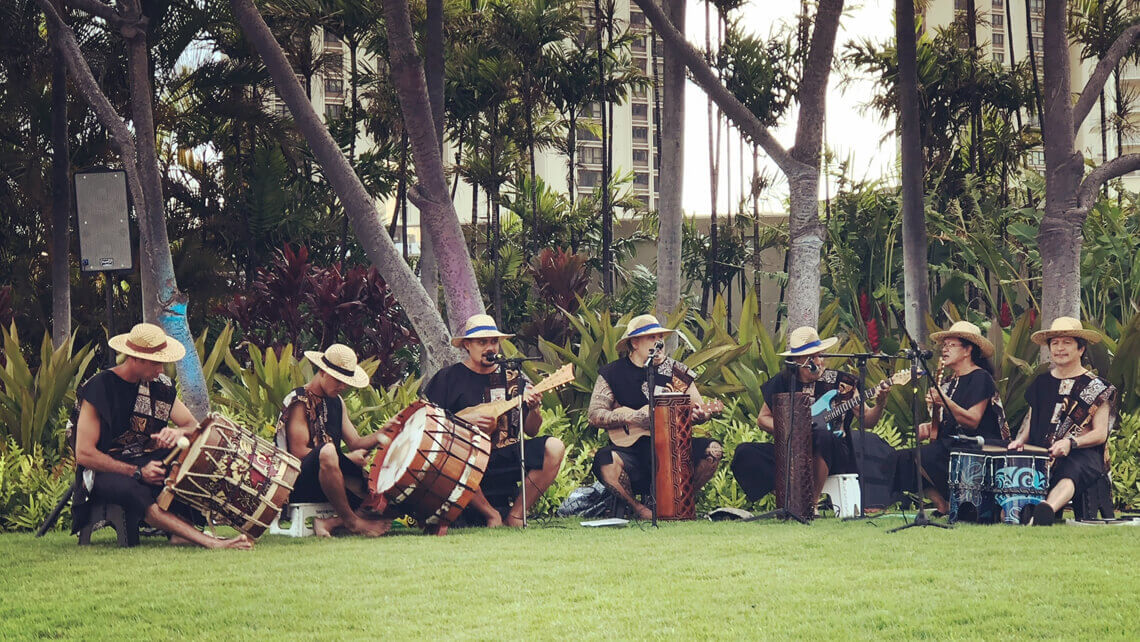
{"x":852,"y":402}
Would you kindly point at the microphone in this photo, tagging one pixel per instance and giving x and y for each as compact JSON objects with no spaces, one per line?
{"x":494,"y":357}
{"x":656,"y":349}
{"x":810,"y":365}
{"x":970,"y":439}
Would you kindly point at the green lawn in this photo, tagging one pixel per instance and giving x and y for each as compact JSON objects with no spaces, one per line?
{"x":559,"y":580}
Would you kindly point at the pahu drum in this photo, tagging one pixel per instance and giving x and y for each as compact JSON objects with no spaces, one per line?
{"x":673,"y":437}
{"x":432,"y":467}
{"x":795,"y":474}
{"x":232,"y":475}
{"x":971,"y":487}
{"x":1020,"y":480}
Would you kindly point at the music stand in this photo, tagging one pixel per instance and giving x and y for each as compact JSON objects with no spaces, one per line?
{"x":918,"y":356}
{"x":783,"y":512}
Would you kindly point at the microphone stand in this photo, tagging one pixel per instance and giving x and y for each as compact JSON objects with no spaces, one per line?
{"x":860,"y":362}
{"x":649,"y":393}
{"x":783,"y":512}
{"x":515,"y":363}
{"x":918,"y":356}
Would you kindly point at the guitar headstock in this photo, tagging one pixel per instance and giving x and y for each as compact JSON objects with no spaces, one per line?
{"x":902,"y":377}
{"x":557,"y":379}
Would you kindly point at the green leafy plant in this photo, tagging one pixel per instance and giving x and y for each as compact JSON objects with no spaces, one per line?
{"x":34,"y":406}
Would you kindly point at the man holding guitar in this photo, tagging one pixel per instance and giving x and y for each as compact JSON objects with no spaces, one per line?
{"x":754,"y":465}
{"x":619,"y":404}
{"x":465,"y":389}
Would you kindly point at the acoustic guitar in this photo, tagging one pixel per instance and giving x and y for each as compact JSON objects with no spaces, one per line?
{"x":496,"y":409}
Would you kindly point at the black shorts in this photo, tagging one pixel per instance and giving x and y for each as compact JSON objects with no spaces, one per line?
{"x":1084,"y":466}
{"x":636,"y":459}
{"x":501,"y":479}
{"x":134,"y":496}
{"x":935,"y":458}
{"x":307,"y":488}
{"x":754,"y":464}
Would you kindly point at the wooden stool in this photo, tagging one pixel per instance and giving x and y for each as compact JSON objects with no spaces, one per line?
{"x":125,"y":524}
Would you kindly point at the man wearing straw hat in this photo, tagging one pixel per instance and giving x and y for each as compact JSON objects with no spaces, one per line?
{"x":1070,"y":413}
{"x":121,"y":435}
{"x":753,"y":464}
{"x":619,"y":404}
{"x":479,"y":379}
{"x":969,"y":405}
{"x":312,"y":426}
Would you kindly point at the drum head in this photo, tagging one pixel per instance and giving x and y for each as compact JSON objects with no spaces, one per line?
{"x":194,"y":451}
{"x":403,"y":449}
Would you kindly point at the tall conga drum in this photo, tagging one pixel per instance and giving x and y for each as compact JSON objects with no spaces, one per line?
{"x":794,"y":475}
{"x":673,"y":437}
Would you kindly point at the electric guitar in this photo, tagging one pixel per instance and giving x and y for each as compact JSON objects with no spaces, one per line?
{"x":496,"y":409}
{"x":823,"y":413}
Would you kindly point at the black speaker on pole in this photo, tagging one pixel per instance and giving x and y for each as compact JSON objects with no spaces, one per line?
{"x":103,"y":215}
{"x":102,"y":210}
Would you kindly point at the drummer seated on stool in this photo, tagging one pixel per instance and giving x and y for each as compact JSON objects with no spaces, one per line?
{"x":121,"y":436}
{"x":312,"y":426}
{"x":1071,"y":414}
{"x":753,"y":464}
{"x":478,"y":379}
{"x":619,"y":405}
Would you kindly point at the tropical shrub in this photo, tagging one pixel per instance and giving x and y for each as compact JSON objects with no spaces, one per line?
{"x":30,"y":486}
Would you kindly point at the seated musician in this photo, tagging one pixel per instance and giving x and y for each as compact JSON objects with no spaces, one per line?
{"x":479,"y":379}
{"x":619,"y":405}
{"x":753,"y":464}
{"x":121,"y":436}
{"x":1070,"y":413}
{"x":312,"y":426}
{"x":972,"y":407}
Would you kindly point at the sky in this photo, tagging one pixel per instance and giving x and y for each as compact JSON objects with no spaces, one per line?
{"x":851,"y":133}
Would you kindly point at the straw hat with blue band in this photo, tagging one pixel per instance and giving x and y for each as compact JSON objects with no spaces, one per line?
{"x":148,"y":341}
{"x":805,"y":340}
{"x":645,"y":325}
{"x":339,"y":361}
{"x":479,"y":326}
{"x":966,"y":331}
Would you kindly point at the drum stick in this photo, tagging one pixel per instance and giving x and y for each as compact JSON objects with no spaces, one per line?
{"x":183,"y":444}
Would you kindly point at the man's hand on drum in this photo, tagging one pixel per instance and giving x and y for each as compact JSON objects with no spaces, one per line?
{"x":1016,"y":444}
{"x":357,"y":456}
{"x":154,"y":473}
{"x":533,"y":398}
{"x":168,"y":437}
{"x":1060,"y":448}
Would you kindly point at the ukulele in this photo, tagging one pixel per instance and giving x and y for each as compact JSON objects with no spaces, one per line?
{"x":625,"y":436}
{"x":823,"y":413}
{"x":496,"y":409}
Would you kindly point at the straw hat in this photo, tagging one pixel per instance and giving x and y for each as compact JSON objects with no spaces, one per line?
{"x":805,"y":340}
{"x":1065,"y":327}
{"x":339,"y":361}
{"x":148,"y":341}
{"x":644,"y":325}
{"x":479,"y":326}
{"x":967,"y":332}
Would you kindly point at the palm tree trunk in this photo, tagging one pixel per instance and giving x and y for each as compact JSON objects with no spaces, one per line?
{"x":607,"y":215}
{"x":672,"y":172}
{"x":571,"y":152}
{"x":423,"y":314}
{"x":915,"y":245}
{"x":1033,"y":68}
{"x":433,"y":70}
{"x":60,"y":202}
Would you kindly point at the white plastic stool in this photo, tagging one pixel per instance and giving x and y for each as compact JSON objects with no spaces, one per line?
{"x":297,"y":515}
{"x":843,"y":490}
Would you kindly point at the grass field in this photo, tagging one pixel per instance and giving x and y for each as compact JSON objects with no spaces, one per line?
{"x":558,"y":580}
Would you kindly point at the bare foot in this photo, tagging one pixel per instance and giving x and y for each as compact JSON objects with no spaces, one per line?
{"x":178,"y":540}
{"x":517,"y":522}
{"x":643,"y":512}
{"x":494,"y":520}
{"x":323,"y":527}
{"x":241,"y":543}
{"x":368,"y":527}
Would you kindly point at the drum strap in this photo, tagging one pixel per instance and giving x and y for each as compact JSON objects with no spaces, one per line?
{"x":1079,"y":404}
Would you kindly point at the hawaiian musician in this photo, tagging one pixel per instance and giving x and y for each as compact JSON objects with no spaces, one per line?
{"x":122,"y":435}
{"x":1070,"y":413}
{"x":461,"y":387}
{"x":753,"y":464}
{"x":969,"y":405}
{"x":313,"y":423}
{"x":619,"y":405}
